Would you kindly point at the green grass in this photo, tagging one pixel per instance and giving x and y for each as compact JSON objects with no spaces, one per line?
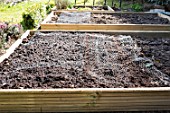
{"x":14,"y":14}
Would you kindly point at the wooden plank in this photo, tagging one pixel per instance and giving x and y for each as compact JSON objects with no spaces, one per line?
{"x":151,"y":27}
{"x":84,"y":100}
{"x":164,"y":16}
{"x":46,"y":108}
{"x":78,"y":109}
{"x":104,"y":12}
{"x":82,"y":6}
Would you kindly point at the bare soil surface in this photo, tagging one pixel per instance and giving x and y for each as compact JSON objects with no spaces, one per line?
{"x":5,"y":46}
{"x":128,"y":19}
{"x":157,"y":49}
{"x":87,"y":18}
{"x":86,"y":60}
{"x":81,"y":17}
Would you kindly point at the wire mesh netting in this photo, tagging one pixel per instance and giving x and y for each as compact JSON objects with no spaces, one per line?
{"x":62,"y":59}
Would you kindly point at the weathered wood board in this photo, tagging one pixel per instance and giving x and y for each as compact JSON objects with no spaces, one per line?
{"x":87,"y":100}
{"x":93,"y":8}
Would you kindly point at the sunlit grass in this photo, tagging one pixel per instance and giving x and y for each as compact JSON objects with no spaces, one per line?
{"x":14,"y":14}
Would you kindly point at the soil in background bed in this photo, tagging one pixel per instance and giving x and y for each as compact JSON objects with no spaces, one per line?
{"x":87,"y":60}
{"x":86,"y":17}
{"x":128,"y":19}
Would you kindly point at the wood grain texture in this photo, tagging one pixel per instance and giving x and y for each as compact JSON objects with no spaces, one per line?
{"x":78,"y":27}
{"x":84,"y":99}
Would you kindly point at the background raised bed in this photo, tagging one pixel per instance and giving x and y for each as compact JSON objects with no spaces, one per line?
{"x":104,"y":25}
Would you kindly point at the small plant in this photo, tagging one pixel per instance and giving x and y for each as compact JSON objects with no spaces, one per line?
{"x":62,"y":4}
{"x":48,"y":8}
{"x":137,"y":7}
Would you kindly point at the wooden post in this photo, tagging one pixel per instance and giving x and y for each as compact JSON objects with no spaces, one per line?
{"x":93,"y":3}
{"x":133,"y":1}
{"x":112,"y":3}
{"x":75,"y":2}
{"x":105,"y":3}
{"x":120,"y":4}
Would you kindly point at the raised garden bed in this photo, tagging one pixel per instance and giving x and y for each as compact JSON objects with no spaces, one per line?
{"x":70,"y":20}
{"x":107,"y":66}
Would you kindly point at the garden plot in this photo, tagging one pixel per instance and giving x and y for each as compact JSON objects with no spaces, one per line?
{"x":128,"y":19}
{"x":87,"y":60}
{"x":107,"y":20}
{"x":116,"y":18}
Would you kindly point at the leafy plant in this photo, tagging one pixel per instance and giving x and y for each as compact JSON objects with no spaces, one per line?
{"x":33,"y":16}
{"x":137,"y":7}
{"x":48,"y":8}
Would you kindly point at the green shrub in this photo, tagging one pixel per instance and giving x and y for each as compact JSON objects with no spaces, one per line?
{"x":137,"y":7}
{"x":33,"y":16}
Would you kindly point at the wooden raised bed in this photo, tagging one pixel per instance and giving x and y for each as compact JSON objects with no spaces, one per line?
{"x":68,"y":26}
{"x":84,"y":99}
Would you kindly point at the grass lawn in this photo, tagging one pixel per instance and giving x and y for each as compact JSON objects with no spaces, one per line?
{"x":14,"y":14}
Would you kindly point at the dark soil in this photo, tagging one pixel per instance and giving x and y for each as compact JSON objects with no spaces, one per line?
{"x":157,"y":49}
{"x":108,"y":18}
{"x":83,"y":60}
{"x":128,"y":19}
